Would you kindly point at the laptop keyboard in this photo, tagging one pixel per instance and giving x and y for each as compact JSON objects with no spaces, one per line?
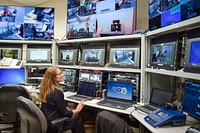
{"x":115,"y":104}
{"x":80,"y":97}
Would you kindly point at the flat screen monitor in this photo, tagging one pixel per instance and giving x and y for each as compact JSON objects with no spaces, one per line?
{"x":14,"y":53}
{"x":93,"y":57}
{"x":167,"y":12}
{"x":164,"y":56}
{"x":86,"y":19}
{"x":124,"y":57}
{"x":39,"y":55}
{"x":192,"y":55}
{"x":68,"y":56}
{"x":191,"y":99}
{"x":120,"y":90}
{"x":12,"y":76}
{"x":84,"y":76}
{"x":26,"y":23}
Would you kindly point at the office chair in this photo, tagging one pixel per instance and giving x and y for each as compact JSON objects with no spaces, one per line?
{"x":107,"y":122}
{"x":33,"y":120}
{"x":9,"y":118}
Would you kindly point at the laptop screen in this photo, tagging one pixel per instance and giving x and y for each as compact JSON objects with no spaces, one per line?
{"x":120,"y":90}
{"x":158,"y":97}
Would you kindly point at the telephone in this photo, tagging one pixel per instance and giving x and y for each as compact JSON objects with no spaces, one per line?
{"x":10,"y":62}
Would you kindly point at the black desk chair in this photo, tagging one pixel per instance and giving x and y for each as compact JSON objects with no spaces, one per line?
{"x":32,"y":119}
{"x":107,"y":122}
{"x":9,"y":118}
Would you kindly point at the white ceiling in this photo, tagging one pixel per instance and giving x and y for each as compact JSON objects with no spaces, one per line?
{"x":29,"y":2}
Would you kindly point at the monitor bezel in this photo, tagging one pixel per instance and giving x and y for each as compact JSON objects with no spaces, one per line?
{"x":74,"y":57}
{"x":126,"y":65}
{"x":48,"y":60}
{"x":187,"y":64}
{"x":101,"y":62}
{"x":170,"y":66}
{"x":8,"y":48}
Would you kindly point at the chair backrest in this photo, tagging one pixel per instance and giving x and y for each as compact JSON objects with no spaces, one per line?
{"x":107,"y":122}
{"x":31,"y":117}
{"x":8,"y":95}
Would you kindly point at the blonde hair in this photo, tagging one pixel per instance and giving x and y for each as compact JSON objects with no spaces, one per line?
{"x":48,"y":83}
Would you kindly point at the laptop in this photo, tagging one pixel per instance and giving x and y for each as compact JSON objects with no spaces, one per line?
{"x":157,"y":99}
{"x":119,"y":95}
{"x":85,"y":91}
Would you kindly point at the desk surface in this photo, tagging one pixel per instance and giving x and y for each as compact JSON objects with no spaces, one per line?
{"x":131,"y":110}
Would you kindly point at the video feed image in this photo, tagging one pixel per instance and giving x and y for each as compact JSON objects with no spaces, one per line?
{"x":92,"y":56}
{"x":11,"y":22}
{"x":8,"y":53}
{"x":195,"y":53}
{"x":84,"y":76}
{"x":39,"y":23}
{"x":95,"y":77}
{"x":81,"y":27}
{"x":123,"y":57}
{"x":122,"y":4}
{"x":67,"y":55}
{"x":162,"y":54}
{"x":154,"y":8}
{"x":73,"y":3}
{"x":126,"y":18}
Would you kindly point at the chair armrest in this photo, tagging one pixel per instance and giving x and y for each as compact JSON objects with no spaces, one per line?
{"x":60,"y":121}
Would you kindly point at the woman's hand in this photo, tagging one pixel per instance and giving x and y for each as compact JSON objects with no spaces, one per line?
{"x":79,"y":107}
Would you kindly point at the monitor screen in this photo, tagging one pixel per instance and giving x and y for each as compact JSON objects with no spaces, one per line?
{"x":26,"y":23}
{"x":167,"y":12}
{"x":84,"y":76}
{"x":86,"y":19}
{"x":93,"y":57}
{"x":120,"y":90}
{"x":95,"y":77}
{"x":12,"y":76}
{"x":14,"y":53}
{"x":127,"y":57}
{"x":67,"y":56}
{"x":39,"y":55}
{"x":192,"y":55}
{"x":191,"y":99}
{"x":163,"y":56}
{"x":159,"y":97}
{"x":195,"y":52}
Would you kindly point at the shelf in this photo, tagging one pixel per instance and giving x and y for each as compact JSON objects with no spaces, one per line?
{"x":177,"y":27}
{"x":99,"y":39}
{"x":101,"y":68}
{"x":174,"y":73}
{"x":37,"y":64}
{"x":26,"y":42}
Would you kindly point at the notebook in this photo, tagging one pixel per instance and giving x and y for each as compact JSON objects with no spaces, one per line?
{"x":157,"y":99}
{"x":118,"y":95}
{"x":85,"y":91}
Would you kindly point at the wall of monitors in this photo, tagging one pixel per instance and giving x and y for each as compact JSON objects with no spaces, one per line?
{"x":98,"y":18}
{"x":26,"y":23}
{"x":166,"y":12}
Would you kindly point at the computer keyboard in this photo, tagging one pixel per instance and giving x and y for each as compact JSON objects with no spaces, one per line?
{"x":80,"y":97}
{"x":115,"y":104}
{"x":146,"y":108}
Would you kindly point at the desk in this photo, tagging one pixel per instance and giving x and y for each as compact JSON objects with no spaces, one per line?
{"x":138,"y":115}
